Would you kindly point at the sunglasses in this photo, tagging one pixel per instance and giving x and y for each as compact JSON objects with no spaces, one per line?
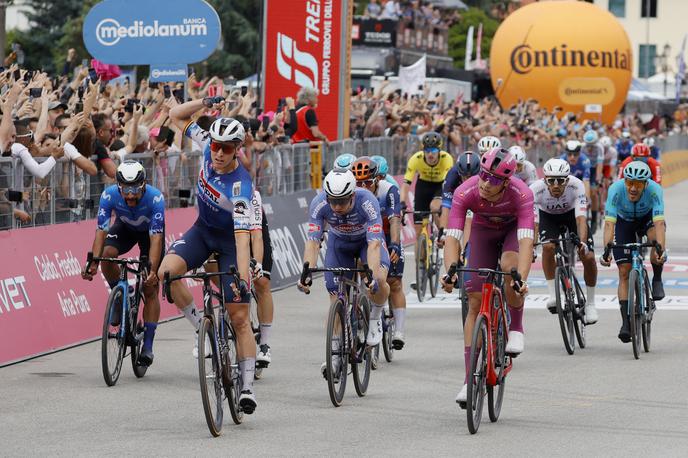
{"x":366,"y":183}
{"x":431,"y":151}
{"x":574,"y":153}
{"x":227,"y":148}
{"x":555,"y":181}
{"x":492,"y":179}
{"x":339,"y":201}
{"x":131,"y":189}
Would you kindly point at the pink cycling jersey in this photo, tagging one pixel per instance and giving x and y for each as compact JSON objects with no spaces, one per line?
{"x":516,"y":204}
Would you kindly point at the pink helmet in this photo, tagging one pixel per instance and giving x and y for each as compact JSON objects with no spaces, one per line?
{"x":498,"y":162}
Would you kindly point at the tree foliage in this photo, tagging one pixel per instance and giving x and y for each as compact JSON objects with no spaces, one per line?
{"x":458,"y":34}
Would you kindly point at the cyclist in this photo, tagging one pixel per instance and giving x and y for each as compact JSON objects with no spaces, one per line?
{"x":502,"y":218}
{"x":383,"y":169}
{"x":139,"y":219}
{"x":525,"y":170}
{"x":560,"y":202}
{"x":344,"y":161}
{"x":355,"y":231}
{"x":467,"y":166}
{"x":579,"y":163}
{"x":367,"y":175}
{"x":431,"y":165}
{"x":641,"y":152}
{"x":224,"y":204}
{"x":623,"y":146}
{"x":595,"y":153}
{"x":610,"y":155}
{"x":635,"y":207}
{"x":488,"y":143}
{"x":655,"y":152}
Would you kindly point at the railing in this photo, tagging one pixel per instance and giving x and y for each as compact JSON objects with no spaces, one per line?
{"x":67,"y":194}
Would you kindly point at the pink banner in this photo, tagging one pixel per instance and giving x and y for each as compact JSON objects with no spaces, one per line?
{"x":44,"y":303}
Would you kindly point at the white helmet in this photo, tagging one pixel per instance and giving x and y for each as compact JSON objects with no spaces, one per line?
{"x":606,"y":141}
{"x":556,"y":168}
{"x":339,"y":183}
{"x":649,"y":141}
{"x":130,"y":172}
{"x":485,"y":144}
{"x":227,"y":130}
{"x":518,"y":154}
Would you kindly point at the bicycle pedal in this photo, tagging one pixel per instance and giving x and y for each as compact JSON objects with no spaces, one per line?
{"x":462,"y":404}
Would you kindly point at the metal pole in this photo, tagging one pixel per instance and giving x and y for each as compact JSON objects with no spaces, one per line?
{"x":647,"y":40}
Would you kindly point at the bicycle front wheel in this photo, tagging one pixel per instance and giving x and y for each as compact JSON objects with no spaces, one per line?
{"x":388,"y":329}
{"x":477,"y":376}
{"x":634,"y":303}
{"x":579,"y":319}
{"x":209,"y":376}
{"x":113,"y":344}
{"x":499,"y":337}
{"x":647,"y":317}
{"x":565,"y":308}
{"x":435,"y":266}
{"x":231,"y":375}
{"x":336,"y":353}
{"x":421,"y":266}
{"x":362,"y":365}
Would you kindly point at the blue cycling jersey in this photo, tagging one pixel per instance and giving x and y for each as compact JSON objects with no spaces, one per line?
{"x":389,"y":179}
{"x":451,"y":182}
{"x":594,"y":152}
{"x":390,"y":203}
{"x":623,"y":149}
{"x":147,"y":215}
{"x":581,"y":169}
{"x":618,"y":204}
{"x":363,"y":222}
{"x":224,"y":200}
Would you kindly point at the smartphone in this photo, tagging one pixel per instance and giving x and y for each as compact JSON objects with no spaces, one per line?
{"x":266,"y":123}
{"x":35,"y":92}
{"x":27,"y":76}
{"x":93,"y":76}
{"x":166,"y":91}
{"x":259,"y":111}
{"x":153,"y":84}
{"x":244,"y":90}
{"x":80,"y":92}
{"x":84,"y":63}
{"x":131,"y":103}
{"x":16,"y":75}
{"x":15,"y":196}
{"x":79,"y":107}
{"x":179,"y":95}
{"x":280,"y":103}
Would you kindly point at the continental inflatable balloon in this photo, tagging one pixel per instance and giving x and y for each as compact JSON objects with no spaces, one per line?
{"x":565,"y":53}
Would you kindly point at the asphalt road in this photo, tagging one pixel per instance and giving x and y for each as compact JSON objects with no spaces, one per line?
{"x":599,"y":401}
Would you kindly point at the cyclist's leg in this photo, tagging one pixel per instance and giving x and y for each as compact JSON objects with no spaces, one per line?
{"x":397,"y":298}
{"x":549,"y":229}
{"x":648,"y":228}
{"x":424,"y":192}
{"x":151,"y":309}
{"x":625,"y":232}
{"x":379,"y":298}
{"x":263,"y":290}
{"x":119,"y":240}
{"x":514,"y":301}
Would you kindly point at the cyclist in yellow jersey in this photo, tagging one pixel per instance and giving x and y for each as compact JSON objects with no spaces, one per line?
{"x":431,"y":165}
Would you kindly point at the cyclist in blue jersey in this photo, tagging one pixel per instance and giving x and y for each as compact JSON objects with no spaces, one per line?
{"x":139,"y":211}
{"x":624,"y":146}
{"x":366,"y":171}
{"x":466,"y":166}
{"x":579,"y":163}
{"x":383,"y":170}
{"x":635,"y":207}
{"x":224,"y":193}
{"x":355,"y":231}
{"x":595,"y":153}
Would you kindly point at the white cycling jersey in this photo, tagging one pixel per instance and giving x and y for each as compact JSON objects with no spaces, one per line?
{"x":573,"y":197}
{"x":256,"y":212}
{"x":528,"y":174}
{"x":610,"y":155}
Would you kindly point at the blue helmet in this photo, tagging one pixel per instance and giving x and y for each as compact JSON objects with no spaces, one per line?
{"x":468,"y":164}
{"x":382,"y":167}
{"x":344,"y":161}
{"x":590,"y":137}
{"x":637,"y":170}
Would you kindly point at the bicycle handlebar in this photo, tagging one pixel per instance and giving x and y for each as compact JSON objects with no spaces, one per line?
{"x":167,"y":280}
{"x":365,"y":271}
{"x":514,"y":274}
{"x":142,"y":262}
{"x":634,"y":245}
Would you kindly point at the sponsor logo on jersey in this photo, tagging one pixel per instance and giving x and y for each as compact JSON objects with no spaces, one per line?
{"x":369,"y":209}
{"x":158,"y":199}
{"x":312,"y":228}
{"x":240,"y":208}
{"x":375,"y":229}
{"x":317,"y":208}
{"x":207,"y":190}
{"x":236,"y":189}
{"x":158,"y":216}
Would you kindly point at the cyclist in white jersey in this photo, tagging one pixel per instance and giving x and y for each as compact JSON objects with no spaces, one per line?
{"x":525,"y":170}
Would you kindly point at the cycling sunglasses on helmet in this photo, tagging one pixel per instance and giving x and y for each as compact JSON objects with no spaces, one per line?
{"x":494,"y":180}
{"x":556,"y":181}
{"x":227,"y":148}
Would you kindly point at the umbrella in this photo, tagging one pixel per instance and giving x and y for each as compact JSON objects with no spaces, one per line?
{"x":450,"y":4}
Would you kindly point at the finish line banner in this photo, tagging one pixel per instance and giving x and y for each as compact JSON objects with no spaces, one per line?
{"x":45,"y":305}
{"x":303,"y":46}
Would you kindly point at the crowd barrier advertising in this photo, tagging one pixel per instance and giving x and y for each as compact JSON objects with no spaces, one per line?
{"x":303,"y":47}
{"x":45,"y":305}
{"x":674,"y":167}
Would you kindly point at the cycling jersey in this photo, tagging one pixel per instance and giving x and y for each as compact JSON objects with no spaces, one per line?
{"x":624,"y":149}
{"x":573,"y":198}
{"x":610,"y":155}
{"x":655,"y":152}
{"x":147,"y":216}
{"x":581,"y":169}
{"x":256,"y":223}
{"x":595,"y":153}
{"x":259,"y":222}
{"x":451,"y":182}
{"x":390,"y":179}
{"x":618,"y":204}
{"x":529,"y":174}
{"x":224,"y":200}
{"x":431,"y":173}
{"x":390,"y":204}
{"x":655,"y":168}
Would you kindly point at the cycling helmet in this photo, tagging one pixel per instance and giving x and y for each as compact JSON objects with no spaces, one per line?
{"x":468,"y":163}
{"x":649,"y":141}
{"x":518,"y":154}
{"x":606,"y":142}
{"x":364,"y":168}
{"x":590,"y":137}
{"x":130,"y":173}
{"x":625,"y":135}
{"x":339,"y":183}
{"x":637,"y":170}
{"x":640,"y":150}
{"x":344,"y":161}
{"x":556,"y":168}
{"x":227,"y":130}
{"x":432,"y":140}
{"x":382,"y":167}
{"x":485,"y":144}
{"x":498,"y":162}
{"x":573,"y":146}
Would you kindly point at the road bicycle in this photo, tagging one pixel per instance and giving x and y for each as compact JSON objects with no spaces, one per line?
{"x":218,"y":373}
{"x":347,"y":330}
{"x":122,"y":324}
{"x":641,"y":306}
{"x":428,"y":259}
{"x":489,"y":362}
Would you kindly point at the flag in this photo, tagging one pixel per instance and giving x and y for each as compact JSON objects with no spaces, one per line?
{"x":413,"y":77}
{"x":681,"y":73}
{"x":469,"y":48}
{"x":478,"y":58}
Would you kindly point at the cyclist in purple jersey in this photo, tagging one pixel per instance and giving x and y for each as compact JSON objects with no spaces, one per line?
{"x":502,"y":217}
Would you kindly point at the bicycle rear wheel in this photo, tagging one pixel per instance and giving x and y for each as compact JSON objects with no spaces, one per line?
{"x":113,"y":345}
{"x":435,"y":266}
{"x":139,"y":370}
{"x":579,"y":320}
{"x":231,"y":374}
{"x":255,"y":327}
{"x":634,"y":302}
{"x":421,"y":266}
{"x":564,"y":308}
{"x":361,"y":367}
{"x":210,"y":377}
{"x":499,"y":338}
{"x":388,"y":331}
{"x":336,"y":353}
{"x":477,"y":376}
{"x":647,"y":317}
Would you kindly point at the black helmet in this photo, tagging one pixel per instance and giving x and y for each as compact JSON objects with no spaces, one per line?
{"x":468,"y":164}
{"x":432,"y":140}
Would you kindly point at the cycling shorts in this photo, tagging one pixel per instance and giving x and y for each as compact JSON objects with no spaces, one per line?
{"x":593,"y":177}
{"x":629,"y":232}
{"x":552,"y":226}
{"x":343,"y":253}
{"x":123,"y":238}
{"x":607,"y":171}
{"x":425,"y":192}
{"x":487,"y":245}
{"x":267,"y":250}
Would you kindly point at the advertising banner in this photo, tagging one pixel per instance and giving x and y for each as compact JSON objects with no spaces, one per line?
{"x":134,"y":32}
{"x":168,"y":73}
{"x":303,"y":47}
{"x":374,"y":32}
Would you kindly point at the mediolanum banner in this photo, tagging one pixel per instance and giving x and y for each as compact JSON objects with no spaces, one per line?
{"x":135,"y":32}
{"x":305,"y":44}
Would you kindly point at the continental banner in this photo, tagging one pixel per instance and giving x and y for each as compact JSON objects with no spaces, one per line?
{"x":674,"y":167}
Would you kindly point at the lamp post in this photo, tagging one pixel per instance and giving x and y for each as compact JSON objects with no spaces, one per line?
{"x":664,"y":64}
